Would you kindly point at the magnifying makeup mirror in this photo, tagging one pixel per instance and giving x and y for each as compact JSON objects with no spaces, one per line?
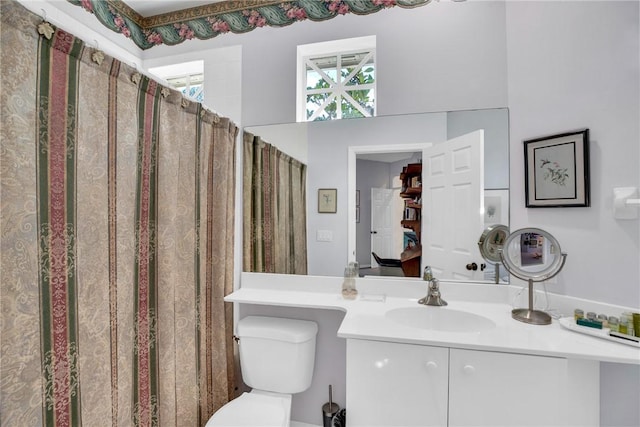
{"x":533,"y":255}
{"x":491,"y":243}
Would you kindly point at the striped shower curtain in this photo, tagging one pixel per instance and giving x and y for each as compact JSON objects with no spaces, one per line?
{"x":274,"y":209}
{"x":116,"y":240}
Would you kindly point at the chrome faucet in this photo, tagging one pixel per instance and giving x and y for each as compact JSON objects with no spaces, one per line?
{"x":433,"y":290}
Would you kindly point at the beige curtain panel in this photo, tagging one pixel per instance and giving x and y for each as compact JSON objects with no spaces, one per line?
{"x":116,"y":240}
{"x":274,"y":209}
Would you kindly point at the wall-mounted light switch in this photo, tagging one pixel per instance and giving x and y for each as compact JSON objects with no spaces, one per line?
{"x":324,"y":236}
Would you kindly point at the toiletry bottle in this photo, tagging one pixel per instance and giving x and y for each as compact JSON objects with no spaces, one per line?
{"x":623,"y":326}
{"x":604,"y":320}
{"x":629,"y":317}
{"x":349,"y":290}
{"x":578,"y":314}
{"x":613,"y":323}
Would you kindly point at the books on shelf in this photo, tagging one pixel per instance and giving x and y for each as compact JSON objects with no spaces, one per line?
{"x":411,"y":214}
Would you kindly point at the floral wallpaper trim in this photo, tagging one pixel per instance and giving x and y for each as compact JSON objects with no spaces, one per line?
{"x":236,"y":16}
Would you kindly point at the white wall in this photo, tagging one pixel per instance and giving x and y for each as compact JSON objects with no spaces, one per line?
{"x":290,"y":138}
{"x":444,"y":56}
{"x":574,"y":65}
{"x":222,"y":77}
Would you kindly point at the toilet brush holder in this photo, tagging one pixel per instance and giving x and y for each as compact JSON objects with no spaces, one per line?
{"x":329,"y":410}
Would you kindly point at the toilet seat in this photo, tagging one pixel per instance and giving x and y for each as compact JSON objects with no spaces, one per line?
{"x":254,"y":409}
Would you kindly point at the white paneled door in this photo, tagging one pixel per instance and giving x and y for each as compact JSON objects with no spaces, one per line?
{"x":452,"y":206}
{"x":382,"y":226}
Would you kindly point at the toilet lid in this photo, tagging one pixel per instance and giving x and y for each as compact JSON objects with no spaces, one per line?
{"x":254,"y":409}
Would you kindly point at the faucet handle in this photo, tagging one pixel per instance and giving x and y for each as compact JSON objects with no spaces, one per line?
{"x":434,"y":285}
{"x":428,"y":274}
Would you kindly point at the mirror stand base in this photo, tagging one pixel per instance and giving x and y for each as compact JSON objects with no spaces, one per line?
{"x":534,"y":317}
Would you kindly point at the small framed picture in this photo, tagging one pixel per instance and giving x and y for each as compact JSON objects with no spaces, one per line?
{"x":496,"y":206}
{"x":327,"y":200}
{"x":557,"y":170}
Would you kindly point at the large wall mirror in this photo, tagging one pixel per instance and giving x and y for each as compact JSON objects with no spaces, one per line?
{"x":363,"y":159}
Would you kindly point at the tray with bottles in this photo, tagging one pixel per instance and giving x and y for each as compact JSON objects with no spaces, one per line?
{"x":604,"y":333}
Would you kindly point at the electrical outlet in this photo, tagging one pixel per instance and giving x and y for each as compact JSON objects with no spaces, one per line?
{"x":324,"y":236}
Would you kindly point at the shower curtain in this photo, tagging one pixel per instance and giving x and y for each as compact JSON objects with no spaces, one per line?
{"x":274,"y":209}
{"x":116,"y":229}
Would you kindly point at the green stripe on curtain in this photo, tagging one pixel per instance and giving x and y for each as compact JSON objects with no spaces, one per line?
{"x":56,"y":157}
{"x":202,"y":407}
{"x":145,"y":369}
{"x":204,"y":400}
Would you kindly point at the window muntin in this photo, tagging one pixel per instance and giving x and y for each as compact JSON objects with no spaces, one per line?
{"x":191,"y":85}
{"x":341,"y":85}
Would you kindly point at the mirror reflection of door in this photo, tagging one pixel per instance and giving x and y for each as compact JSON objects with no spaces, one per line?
{"x":382,"y":223}
{"x":453,"y":200}
{"x":452,"y":203}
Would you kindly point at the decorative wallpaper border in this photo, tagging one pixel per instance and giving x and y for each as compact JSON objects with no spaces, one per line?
{"x":236,"y":16}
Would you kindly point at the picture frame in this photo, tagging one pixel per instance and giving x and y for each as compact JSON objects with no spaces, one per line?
{"x":556,"y":170}
{"x":327,"y":200}
{"x":496,"y":206}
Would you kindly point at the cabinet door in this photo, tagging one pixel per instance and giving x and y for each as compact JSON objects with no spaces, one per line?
{"x":499,"y":389}
{"x":396,"y":384}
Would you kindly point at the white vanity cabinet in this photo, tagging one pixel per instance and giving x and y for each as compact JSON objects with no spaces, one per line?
{"x":391,"y":384}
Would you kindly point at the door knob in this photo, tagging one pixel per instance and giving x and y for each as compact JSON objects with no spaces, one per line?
{"x":374,"y":232}
{"x":473,"y":266}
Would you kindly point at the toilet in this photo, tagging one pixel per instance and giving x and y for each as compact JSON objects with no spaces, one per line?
{"x":277,"y":357}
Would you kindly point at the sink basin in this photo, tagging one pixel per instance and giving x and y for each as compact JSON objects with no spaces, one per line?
{"x":440,"y":319}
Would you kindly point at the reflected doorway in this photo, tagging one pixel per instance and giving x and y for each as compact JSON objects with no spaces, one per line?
{"x":380,"y":211}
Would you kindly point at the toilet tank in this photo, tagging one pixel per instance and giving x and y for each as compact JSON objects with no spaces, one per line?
{"x":277,"y":354}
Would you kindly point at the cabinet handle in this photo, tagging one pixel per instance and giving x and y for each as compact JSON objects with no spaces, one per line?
{"x":468,"y":369}
{"x":431,"y":365}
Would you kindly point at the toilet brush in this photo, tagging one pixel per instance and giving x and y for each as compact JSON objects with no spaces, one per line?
{"x":329,"y":409}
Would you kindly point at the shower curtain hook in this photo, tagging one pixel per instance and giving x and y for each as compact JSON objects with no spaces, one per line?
{"x":45,"y":29}
{"x":136,"y":76}
{"x":97,"y":56}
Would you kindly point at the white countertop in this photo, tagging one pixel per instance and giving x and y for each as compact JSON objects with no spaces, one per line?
{"x":365,"y":316}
